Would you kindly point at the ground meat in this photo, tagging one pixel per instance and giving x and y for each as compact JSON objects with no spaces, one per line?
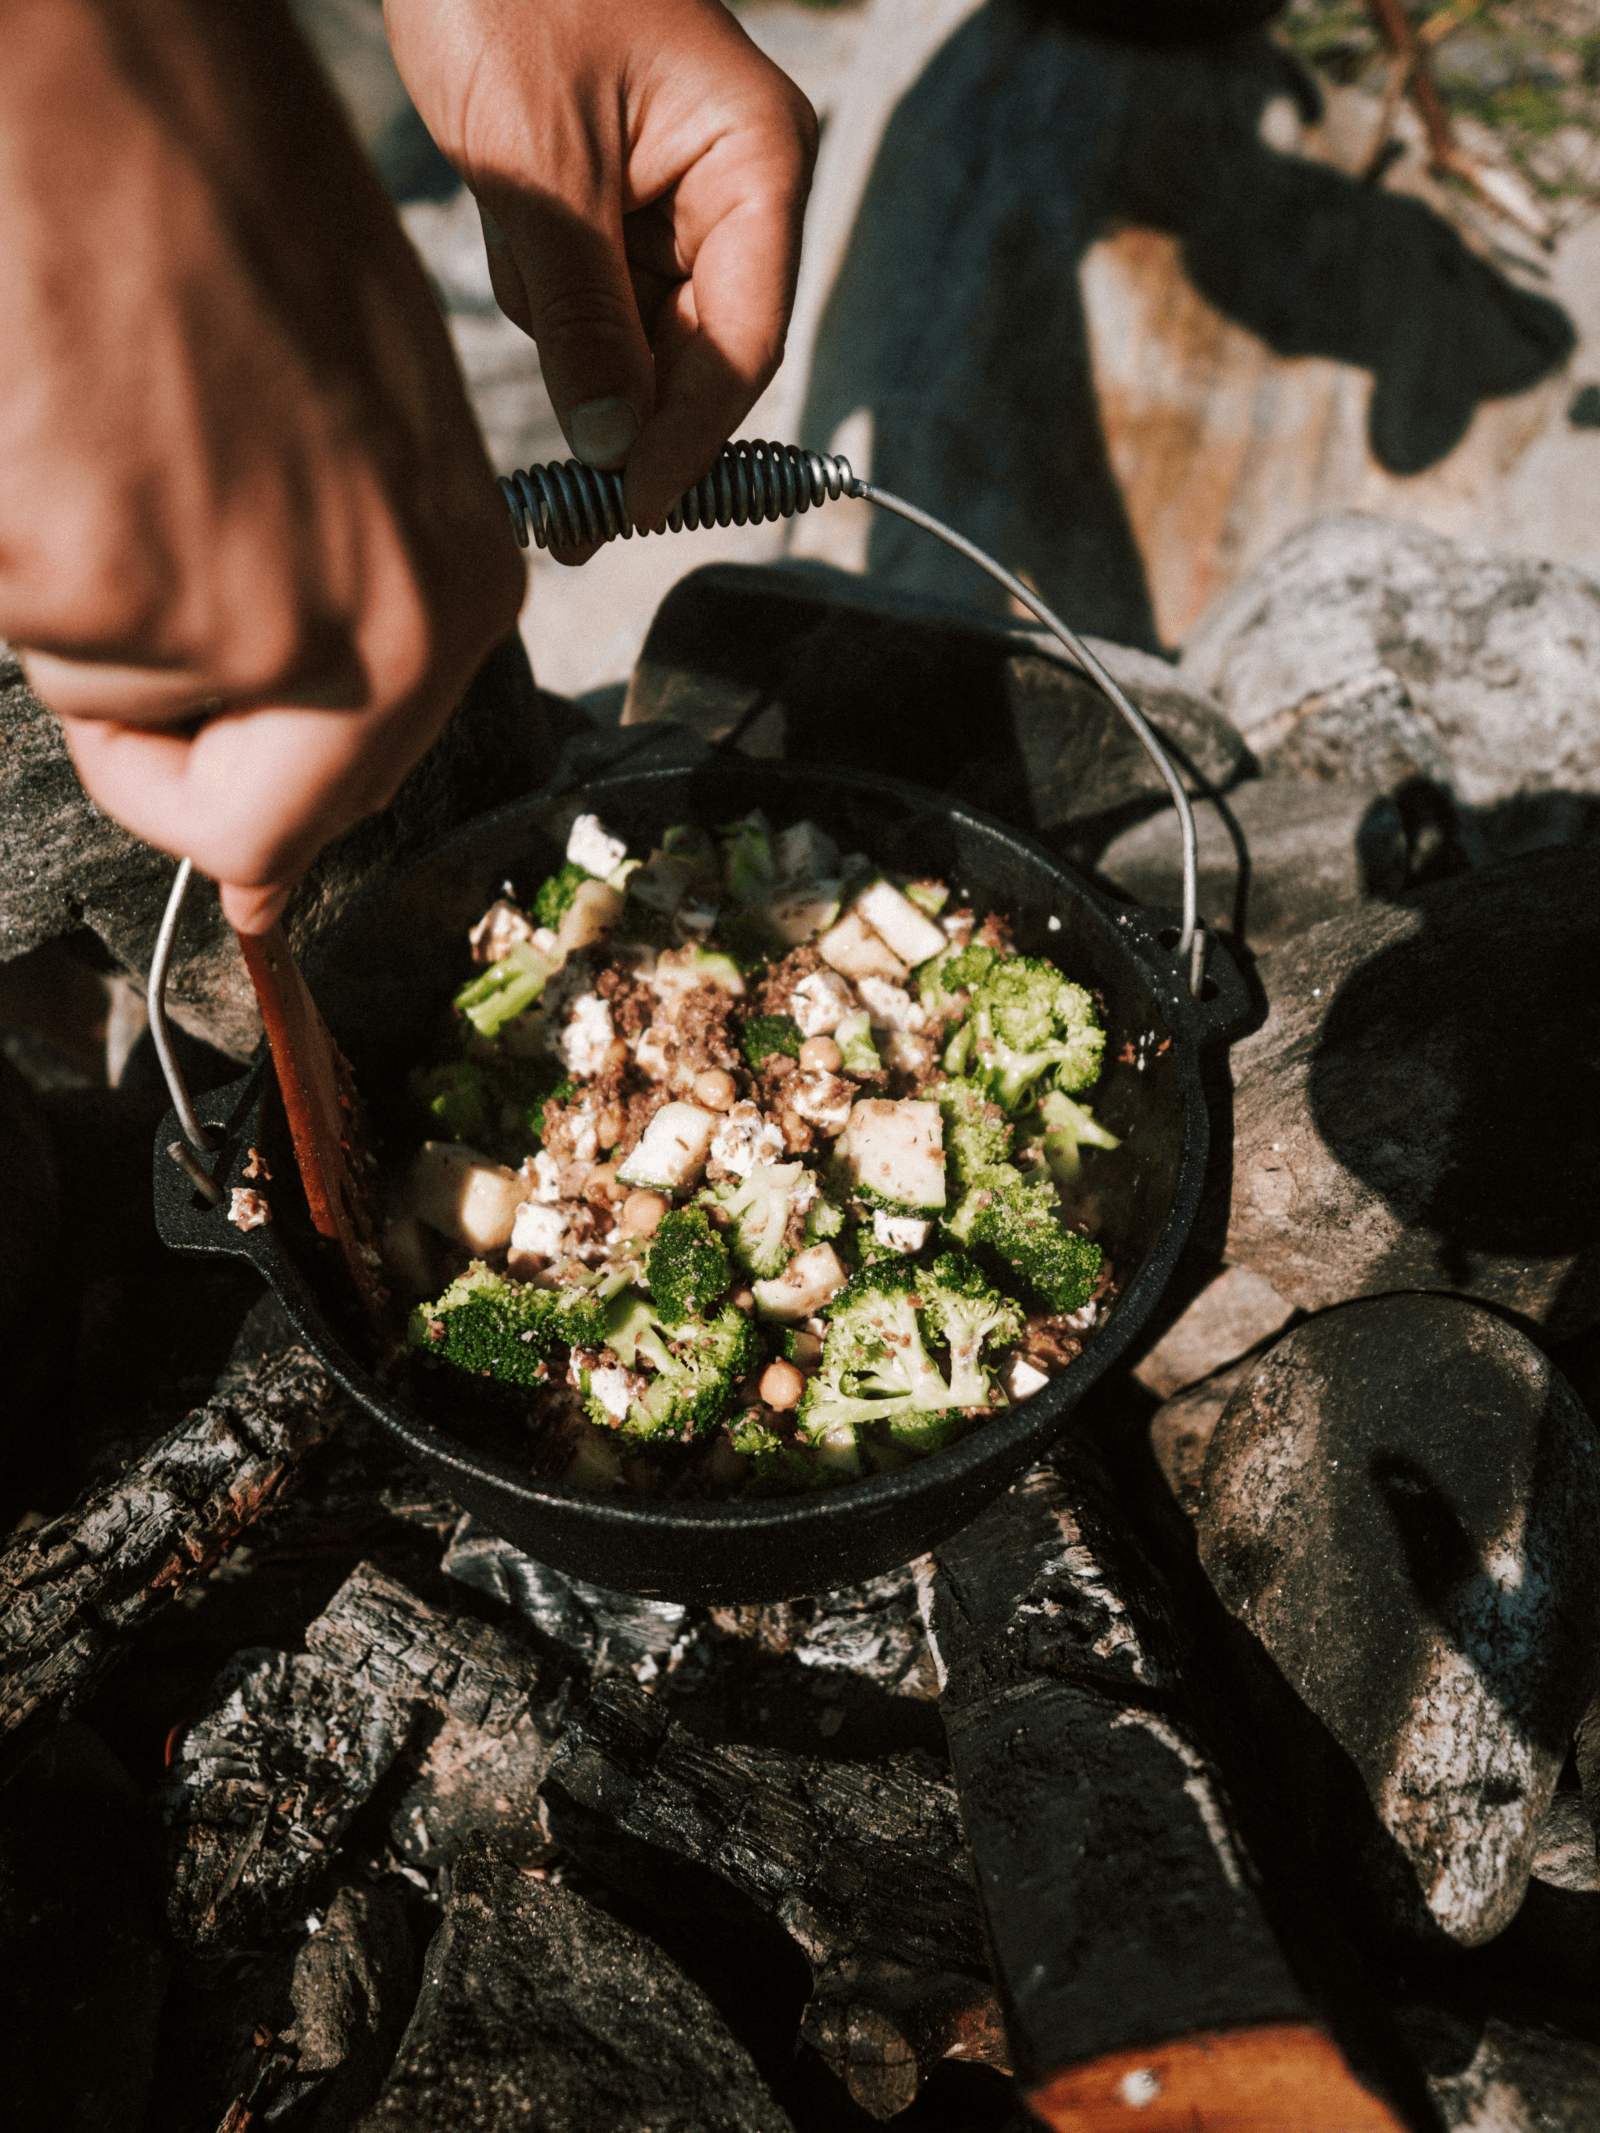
{"x":995,"y":932}
{"x":632,"y":1004}
{"x":772,"y":995}
{"x":701,"y":1034}
{"x":570,"y":1134}
{"x":769,"y":1079}
{"x":1050,"y":1344}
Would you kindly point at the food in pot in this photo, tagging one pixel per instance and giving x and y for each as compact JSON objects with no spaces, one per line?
{"x":757,"y":1167}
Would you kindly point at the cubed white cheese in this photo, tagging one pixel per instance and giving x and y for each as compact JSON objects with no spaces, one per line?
{"x":500,"y":927}
{"x":463,"y":1195}
{"x":821,"y":1099}
{"x":592,"y":847}
{"x":613,"y":1387}
{"x":906,"y":1054}
{"x":1021,"y":1378}
{"x":804,"y":1286}
{"x":900,"y":1233}
{"x":588,"y":1036}
{"x":650,"y":1053}
{"x":820,"y":1002}
{"x":890,"y":1006}
{"x":910,"y":933}
{"x":896,"y":1150}
{"x":542,"y":1176}
{"x":745,"y":1139}
{"x":673,"y":1150}
{"x":539,"y":1232}
{"x":853,"y":947}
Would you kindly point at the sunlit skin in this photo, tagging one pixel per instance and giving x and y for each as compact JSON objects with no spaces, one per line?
{"x":250,"y":547}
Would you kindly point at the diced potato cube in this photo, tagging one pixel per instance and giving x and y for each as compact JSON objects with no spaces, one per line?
{"x":594,"y":910}
{"x":853,"y":948}
{"x":673,"y":1149}
{"x":803,"y":1287}
{"x":464,"y":1195}
{"x":896,"y":1150}
{"x":912,"y":936}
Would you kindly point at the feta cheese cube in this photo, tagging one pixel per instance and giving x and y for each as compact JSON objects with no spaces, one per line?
{"x":746,"y":1139}
{"x":591,"y":846}
{"x":899,"y":1233}
{"x":890,"y":1006}
{"x":587,"y":1038}
{"x":539,"y":1232}
{"x":820,"y":1003}
{"x":1021,"y":1378}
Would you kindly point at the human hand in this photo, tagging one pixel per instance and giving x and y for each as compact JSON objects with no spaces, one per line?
{"x":641,"y":171}
{"x":250,"y":548}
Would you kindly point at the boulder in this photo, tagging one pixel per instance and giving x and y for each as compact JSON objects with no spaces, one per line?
{"x":812,"y":665}
{"x":1363,"y":647}
{"x":352,"y":1990}
{"x":1402,"y":1510}
{"x":1235,"y":1311}
{"x":539,"y":2013}
{"x":1181,"y":1430}
{"x":1421,"y":1107}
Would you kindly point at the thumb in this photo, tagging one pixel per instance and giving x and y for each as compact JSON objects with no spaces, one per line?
{"x":564,"y":279}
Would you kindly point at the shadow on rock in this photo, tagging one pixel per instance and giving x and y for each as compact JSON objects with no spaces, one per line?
{"x":957,"y":321}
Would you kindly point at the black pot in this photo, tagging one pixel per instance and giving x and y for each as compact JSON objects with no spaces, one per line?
{"x":381,"y":981}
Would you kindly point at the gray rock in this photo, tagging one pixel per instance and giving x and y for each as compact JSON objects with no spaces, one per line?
{"x":541,"y":2014}
{"x":1566,"y":1857}
{"x":1363,"y":647}
{"x":67,"y":869}
{"x":1181,"y":1430}
{"x":1421,"y":1108}
{"x":84,"y":1967}
{"x":1234,"y":1312}
{"x":819,"y":667}
{"x":1498,"y":2073}
{"x":1275,"y":857}
{"x":353,"y":1990}
{"x":1402,"y":1508}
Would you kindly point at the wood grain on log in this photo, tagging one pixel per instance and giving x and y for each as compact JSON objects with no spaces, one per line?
{"x":74,"y":1591}
{"x":862,"y":1865}
{"x":1119,"y":1901}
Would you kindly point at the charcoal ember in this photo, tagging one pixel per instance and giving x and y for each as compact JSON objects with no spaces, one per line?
{"x":65,"y":867}
{"x":502,"y":1714}
{"x":1276,"y":856}
{"x":1421,"y":1108}
{"x":1487,"y":2069}
{"x":74,"y":1591}
{"x":873,"y":1631}
{"x":863,"y":1866}
{"x":262,"y":1786}
{"x":351,"y":1994}
{"x":1235,"y":1311}
{"x":80,"y":1922}
{"x":1402,"y":1508}
{"x":1486,"y":659}
{"x":858,"y":675}
{"x":601,"y":1630}
{"x":540,"y":2013}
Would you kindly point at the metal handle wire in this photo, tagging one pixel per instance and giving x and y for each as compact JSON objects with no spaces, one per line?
{"x":754,"y":482}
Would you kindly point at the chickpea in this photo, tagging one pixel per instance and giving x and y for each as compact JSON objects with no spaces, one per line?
{"x":713,"y":1087}
{"x":614,"y":1057}
{"x":820,"y":1055}
{"x":611,"y":1122}
{"x":601,"y":1184}
{"x":641,"y":1213}
{"x":743,"y":1299}
{"x":781,"y":1385}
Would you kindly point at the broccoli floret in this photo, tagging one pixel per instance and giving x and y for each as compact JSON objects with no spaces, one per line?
{"x":976,"y":1135}
{"x":687,"y":1266}
{"x":970,"y":1316}
{"x":506,"y":989}
{"x":824,"y":1220}
{"x":758,"y":1209}
{"x":942,"y":985}
{"x":767,"y":1036}
{"x":1069,"y":1127}
{"x":555,"y":896}
{"x":456,"y":1096}
{"x":777,"y":1468}
{"x":875,"y":1359}
{"x":698,"y":1367}
{"x":1015,"y":1222}
{"x":491,"y":1326}
{"x":751,"y":939}
{"x":643,"y":922}
{"x":748,"y":868}
{"x":859,"y":1055}
{"x":1025,"y":1018}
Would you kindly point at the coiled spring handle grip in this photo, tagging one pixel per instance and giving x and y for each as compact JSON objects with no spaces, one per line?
{"x":753,"y":483}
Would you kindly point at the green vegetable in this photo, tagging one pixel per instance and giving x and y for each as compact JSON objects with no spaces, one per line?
{"x":758,"y":1208}
{"x":748,"y":869}
{"x":976,"y":1135}
{"x":854,"y":1039}
{"x":767,"y":1036}
{"x":944,"y":982}
{"x":687,"y":1265}
{"x":930,"y":897}
{"x":778,"y":1469}
{"x":971,"y":1318}
{"x":494,"y":1327}
{"x":698,"y":1368}
{"x":1005,"y":1214}
{"x":1025,"y":1021}
{"x":555,"y":896}
{"x":456,"y":1097}
{"x":1068,"y":1127}
{"x":506,"y":989}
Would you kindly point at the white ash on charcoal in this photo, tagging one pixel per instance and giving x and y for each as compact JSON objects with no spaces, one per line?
{"x":85,"y":1962}
{"x":1275,"y":857}
{"x":862,"y":1866}
{"x":1359,"y":642}
{"x":840,"y":674}
{"x":75,"y":1591}
{"x":874,"y":1632}
{"x":1421,"y":1108}
{"x":501,"y":1713}
{"x":1402,"y":1509}
{"x":262,"y":1786}
{"x":539,"y":2013}
{"x":1122,"y":1909}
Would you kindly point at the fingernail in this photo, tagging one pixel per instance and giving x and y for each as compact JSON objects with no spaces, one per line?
{"x":602,"y":431}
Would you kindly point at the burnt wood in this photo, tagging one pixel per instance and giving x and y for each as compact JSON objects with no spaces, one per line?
{"x":861,"y":1865}
{"x":1136,"y":1964}
{"x":73,"y":1592}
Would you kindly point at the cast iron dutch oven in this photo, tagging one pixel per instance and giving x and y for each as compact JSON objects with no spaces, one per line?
{"x":382,"y":980}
